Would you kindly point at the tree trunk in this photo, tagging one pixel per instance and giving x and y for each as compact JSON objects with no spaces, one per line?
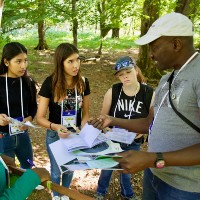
{"x":187,"y":7}
{"x":150,"y":9}
{"x":74,"y":23}
{"x":115,"y":33}
{"x":41,"y":34}
{"x":41,"y":27}
{"x":1,"y":11}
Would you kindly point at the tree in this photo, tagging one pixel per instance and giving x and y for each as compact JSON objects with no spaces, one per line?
{"x":74,"y":23}
{"x":1,"y":10}
{"x":151,"y":10}
{"x":41,"y":26}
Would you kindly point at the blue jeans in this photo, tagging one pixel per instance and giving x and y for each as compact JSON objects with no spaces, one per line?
{"x":156,"y":189}
{"x":51,"y":137}
{"x":20,"y":146}
{"x":125,"y":179}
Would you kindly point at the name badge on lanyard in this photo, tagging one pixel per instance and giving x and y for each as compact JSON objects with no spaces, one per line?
{"x":69,"y":117}
{"x":14,"y":128}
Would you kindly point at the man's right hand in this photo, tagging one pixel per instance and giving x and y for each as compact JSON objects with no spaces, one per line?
{"x":42,"y":173}
{"x":101,"y":122}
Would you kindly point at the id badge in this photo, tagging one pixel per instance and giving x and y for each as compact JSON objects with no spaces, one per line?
{"x":14,"y":127}
{"x":68,"y":118}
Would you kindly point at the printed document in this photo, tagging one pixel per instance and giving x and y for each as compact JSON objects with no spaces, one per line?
{"x":121,"y":135}
{"x":71,"y":161}
{"x":88,"y":137}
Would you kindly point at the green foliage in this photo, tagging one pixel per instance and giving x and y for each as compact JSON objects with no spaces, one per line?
{"x":55,"y":36}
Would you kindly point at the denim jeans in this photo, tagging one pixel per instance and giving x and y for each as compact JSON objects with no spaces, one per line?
{"x":156,"y":189}
{"x":51,"y":137}
{"x":19,"y":146}
{"x":125,"y":179}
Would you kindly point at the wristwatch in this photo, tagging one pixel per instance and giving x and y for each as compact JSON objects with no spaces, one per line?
{"x":159,"y":163}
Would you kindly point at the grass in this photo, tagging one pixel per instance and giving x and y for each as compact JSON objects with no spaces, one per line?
{"x":54,"y":37}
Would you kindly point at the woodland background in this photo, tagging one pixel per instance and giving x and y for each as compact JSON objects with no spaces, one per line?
{"x":103,"y":30}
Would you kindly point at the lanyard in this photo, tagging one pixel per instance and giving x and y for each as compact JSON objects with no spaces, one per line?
{"x":193,"y":55}
{"x":75,"y":105}
{"x":22,"y":109}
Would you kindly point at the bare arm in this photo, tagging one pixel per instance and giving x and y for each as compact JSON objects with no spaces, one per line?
{"x":136,"y":125}
{"x":41,"y":118}
{"x":134,"y":161}
{"x":107,"y":102}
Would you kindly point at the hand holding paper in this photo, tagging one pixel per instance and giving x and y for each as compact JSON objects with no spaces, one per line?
{"x":18,"y":123}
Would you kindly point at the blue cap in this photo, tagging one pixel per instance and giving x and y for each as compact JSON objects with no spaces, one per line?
{"x":124,"y":63}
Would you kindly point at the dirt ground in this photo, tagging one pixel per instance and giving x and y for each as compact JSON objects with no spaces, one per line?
{"x":100,"y":75}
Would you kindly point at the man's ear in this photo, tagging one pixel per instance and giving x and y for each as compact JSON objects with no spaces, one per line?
{"x":177,"y":44}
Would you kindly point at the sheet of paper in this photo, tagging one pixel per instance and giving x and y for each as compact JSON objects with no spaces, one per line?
{"x":87,"y":138}
{"x":60,"y":153}
{"x":73,"y":142}
{"x":89,"y":134}
{"x":102,"y":163}
{"x":104,"y":148}
{"x":74,"y":167}
{"x":121,"y":135}
{"x":28,"y":123}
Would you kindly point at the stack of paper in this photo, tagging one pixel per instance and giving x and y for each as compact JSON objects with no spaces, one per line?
{"x":88,"y":137}
{"x":121,"y":135}
{"x":84,"y":159}
{"x":87,"y":150}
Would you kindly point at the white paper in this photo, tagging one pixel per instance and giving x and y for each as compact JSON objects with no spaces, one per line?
{"x":60,"y":153}
{"x":87,"y":138}
{"x":121,"y":135}
{"x":18,"y":123}
{"x":70,"y":161}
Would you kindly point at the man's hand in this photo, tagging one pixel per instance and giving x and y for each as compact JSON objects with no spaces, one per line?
{"x":101,"y":122}
{"x":135,"y":161}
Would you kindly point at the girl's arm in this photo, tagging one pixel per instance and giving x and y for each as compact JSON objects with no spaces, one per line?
{"x":41,"y":119}
{"x":107,"y":102}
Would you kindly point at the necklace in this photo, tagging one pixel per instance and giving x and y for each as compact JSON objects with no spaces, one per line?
{"x":131,"y":92}
{"x":70,"y":92}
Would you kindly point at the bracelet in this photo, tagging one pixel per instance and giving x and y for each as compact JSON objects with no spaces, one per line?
{"x":50,"y":126}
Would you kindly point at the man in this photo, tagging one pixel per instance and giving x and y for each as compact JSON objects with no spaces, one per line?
{"x":172,"y":163}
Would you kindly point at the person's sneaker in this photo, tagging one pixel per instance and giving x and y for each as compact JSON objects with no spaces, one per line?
{"x":64,"y":198}
{"x":39,"y":187}
{"x":56,"y":198}
{"x":99,"y":197}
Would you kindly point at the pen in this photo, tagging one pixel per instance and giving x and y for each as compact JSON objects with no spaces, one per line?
{"x":31,"y":163}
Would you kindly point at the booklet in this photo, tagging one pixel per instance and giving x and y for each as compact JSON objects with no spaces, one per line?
{"x":88,"y":137}
{"x":18,"y":123}
{"x":71,"y":161}
{"x":121,"y":135}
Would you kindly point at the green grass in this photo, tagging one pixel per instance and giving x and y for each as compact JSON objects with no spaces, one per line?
{"x":54,"y":37}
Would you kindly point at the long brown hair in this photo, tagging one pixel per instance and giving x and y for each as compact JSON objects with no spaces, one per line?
{"x":59,"y":83}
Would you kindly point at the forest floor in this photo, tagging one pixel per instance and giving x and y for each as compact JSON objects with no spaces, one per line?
{"x":101,"y":78}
